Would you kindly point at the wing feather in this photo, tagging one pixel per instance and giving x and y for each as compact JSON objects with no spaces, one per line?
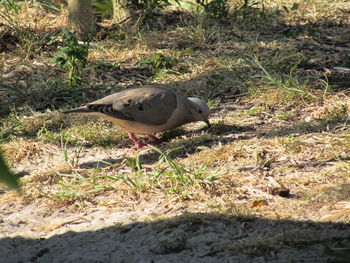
{"x":147,"y":105}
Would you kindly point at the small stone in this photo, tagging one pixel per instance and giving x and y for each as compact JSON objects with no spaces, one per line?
{"x":281,"y":191}
{"x":173,"y":243}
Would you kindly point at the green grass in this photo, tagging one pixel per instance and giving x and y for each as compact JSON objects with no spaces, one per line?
{"x":289,"y":85}
{"x":91,"y":134}
{"x":168,"y":177}
{"x":76,"y":188}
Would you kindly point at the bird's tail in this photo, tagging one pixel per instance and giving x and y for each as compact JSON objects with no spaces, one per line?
{"x":78,"y":110}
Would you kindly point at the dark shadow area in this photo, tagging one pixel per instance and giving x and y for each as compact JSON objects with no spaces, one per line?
{"x":41,"y":86}
{"x":113,"y":74}
{"x":187,"y":146}
{"x":8,"y":40}
{"x":43,"y":41}
{"x":188,"y":238}
{"x":303,"y":128}
{"x":161,"y":21}
{"x":209,"y":137}
{"x":150,"y":157}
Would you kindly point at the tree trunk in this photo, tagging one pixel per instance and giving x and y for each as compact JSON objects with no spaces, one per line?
{"x":122,"y":9}
{"x":80,"y":17}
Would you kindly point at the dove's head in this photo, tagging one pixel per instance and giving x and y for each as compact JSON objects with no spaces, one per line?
{"x":200,"y":110}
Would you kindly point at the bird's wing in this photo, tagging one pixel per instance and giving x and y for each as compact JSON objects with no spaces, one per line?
{"x":146,"y":105}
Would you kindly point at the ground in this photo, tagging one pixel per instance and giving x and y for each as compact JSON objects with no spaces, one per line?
{"x":268,"y":182}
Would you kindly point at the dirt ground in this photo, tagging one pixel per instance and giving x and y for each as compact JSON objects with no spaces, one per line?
{"x":187,"y":235}
{"x":164,"y":230}
{"x":268,"y":182}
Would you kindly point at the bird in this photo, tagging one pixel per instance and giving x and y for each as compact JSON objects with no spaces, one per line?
{"x":146,"y":110}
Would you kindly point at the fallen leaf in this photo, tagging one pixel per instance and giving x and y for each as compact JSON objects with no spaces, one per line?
{"x":258,"y":203}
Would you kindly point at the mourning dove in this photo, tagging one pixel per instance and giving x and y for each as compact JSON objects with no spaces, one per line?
{"x":147,"y":110}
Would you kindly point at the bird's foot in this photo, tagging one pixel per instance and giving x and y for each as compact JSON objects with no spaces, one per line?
{"x":137,"y":142}
{"x":139,"y":145}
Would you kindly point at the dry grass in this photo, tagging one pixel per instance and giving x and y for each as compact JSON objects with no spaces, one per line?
{"x":282,"y":120}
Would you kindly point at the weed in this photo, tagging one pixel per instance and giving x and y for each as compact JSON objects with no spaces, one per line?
{"x":103,"y":8}
{"x":8,"y":128}
{"x":213,"y":104}
{"x":245,"y":5}
{"x":201,"y":31}
{"x":49,"y":5}
{"x":39,"y":93}
{"x":255,"y":110}
{"x":76,"y":187}
{"x":72,"y":161}
{"x":72,"y":56}
{"x":289,"y":86}
{"x":160,"y":62}
{"x":148,"y":6}
{"x":170,"y":177}
{"x":219,"y":127}
{"x":138,"y":182}
{"x":37,"y":123}
{"x":179,"y":180}
{"x":11,"y":7}
{"x":215,"y":8}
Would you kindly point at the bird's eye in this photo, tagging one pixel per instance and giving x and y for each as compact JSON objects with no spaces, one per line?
{"x":200,"y":111}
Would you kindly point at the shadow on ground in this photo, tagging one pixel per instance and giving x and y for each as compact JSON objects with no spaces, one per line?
{"x":186,"y":238}
{"x":205,"y":138}
{"x":219,"y":133}
{"x":302,"y":127}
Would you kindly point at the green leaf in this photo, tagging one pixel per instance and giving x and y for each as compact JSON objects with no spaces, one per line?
{"x":187,"y":51}
{"x":6,"y":176}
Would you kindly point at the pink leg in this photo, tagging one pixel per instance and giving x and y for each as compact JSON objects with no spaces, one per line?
{"x":138,"y":143}
{"x":153,"y":139}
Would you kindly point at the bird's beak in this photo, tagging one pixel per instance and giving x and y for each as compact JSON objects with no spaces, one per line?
{"x":208,"y":123}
